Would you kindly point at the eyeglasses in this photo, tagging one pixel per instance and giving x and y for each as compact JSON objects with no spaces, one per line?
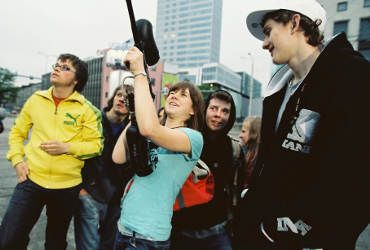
{"x":63,"y":67}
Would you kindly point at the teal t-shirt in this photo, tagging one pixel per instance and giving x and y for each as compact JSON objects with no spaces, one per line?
{"x":148,"y":206}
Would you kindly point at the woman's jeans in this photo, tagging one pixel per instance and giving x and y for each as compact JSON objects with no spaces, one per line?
{"x":214,"y":238}
{"x":24,"y":210}
{"x":138,"y":242}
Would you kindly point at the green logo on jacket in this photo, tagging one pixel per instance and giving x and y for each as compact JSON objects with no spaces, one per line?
{"x":73,"y":121}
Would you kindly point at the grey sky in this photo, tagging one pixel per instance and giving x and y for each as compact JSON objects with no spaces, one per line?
{"x":34,"y":32}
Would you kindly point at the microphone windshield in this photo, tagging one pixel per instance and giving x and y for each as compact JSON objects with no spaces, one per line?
{"x":145,"y":33}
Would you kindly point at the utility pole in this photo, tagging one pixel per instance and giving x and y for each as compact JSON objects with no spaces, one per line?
{"x":251,"y":84}
{"x":47,"y":56}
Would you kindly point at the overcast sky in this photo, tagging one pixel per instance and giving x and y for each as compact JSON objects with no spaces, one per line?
{"x":34,"y":32}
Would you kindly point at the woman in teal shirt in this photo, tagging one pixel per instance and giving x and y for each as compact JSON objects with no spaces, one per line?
{"x":146,"y":210}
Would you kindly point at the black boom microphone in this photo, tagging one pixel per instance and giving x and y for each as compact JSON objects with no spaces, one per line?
{"x":145,"y":36}
{"x":138,"y":145}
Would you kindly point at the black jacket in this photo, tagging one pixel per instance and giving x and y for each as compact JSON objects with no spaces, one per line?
{"x":315,"y":168}
{"x":217,"y":153}
{"x":103,"y":179}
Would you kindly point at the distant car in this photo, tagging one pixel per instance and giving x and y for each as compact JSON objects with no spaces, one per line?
{"x":3,"y":113}
{"x":14,"y":112}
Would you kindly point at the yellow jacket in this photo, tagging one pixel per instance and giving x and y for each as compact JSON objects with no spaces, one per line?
{"x":75,"y":121}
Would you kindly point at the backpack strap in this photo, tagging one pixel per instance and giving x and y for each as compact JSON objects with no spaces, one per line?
{"x":200,"y":171}
{"x":236,"y":147}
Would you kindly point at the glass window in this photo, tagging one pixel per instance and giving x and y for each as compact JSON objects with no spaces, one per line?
{"x":366,"y":3}
{"x":342,"y":6}
{"x":364,"y":37}
{"x":340,"y":26}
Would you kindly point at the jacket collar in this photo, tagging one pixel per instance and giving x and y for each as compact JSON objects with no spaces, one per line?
{"x":75,"y":96}
{"x":282,"y":76}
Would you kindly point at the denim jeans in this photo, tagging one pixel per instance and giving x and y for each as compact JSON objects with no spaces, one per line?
{"x":24,"y":209}
{"x":214,"y":238}
{"x":125,"y":242}
{"x":87,"y":221}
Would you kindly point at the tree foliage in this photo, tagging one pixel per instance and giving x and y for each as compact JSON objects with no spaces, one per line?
{"x":8,"y":92}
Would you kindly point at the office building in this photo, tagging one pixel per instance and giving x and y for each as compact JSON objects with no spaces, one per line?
{"x":351,"y":17}
{"x":188,"y":32}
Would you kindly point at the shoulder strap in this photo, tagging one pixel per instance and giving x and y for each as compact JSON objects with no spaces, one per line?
{"x":236,"y":148}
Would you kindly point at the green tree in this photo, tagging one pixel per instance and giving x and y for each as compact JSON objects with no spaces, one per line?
{"x":8,"y":92}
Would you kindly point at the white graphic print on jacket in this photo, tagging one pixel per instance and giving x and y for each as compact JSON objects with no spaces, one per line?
{"x":303,"y":130}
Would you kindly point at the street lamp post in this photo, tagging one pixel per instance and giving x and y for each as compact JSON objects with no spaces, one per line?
{"x":251,"y":85}
{"x":46,"y":56}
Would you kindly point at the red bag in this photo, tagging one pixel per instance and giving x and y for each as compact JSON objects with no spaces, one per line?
{"x":197,"y":189}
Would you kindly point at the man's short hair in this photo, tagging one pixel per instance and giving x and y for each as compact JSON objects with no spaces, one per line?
{"x":81,"y":74}
{"x":126,"y":88}
{"x":222,"y":95}
{"x":310,"y":28}
{"x":226,"y":97}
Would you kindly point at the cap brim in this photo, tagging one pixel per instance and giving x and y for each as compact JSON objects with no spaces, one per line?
{"x":254,"y":20}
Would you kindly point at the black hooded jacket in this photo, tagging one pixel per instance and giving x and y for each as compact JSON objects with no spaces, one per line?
{"x":218,"y":155}
{"x":315,"y":168}
{"x":101,"y":177}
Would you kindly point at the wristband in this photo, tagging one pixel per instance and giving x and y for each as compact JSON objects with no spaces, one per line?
{"x":141,"y":74}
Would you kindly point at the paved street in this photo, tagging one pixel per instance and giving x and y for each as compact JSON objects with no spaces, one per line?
{"x":8,"y":181}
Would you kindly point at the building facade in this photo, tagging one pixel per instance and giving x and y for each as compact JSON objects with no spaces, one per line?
{"x":188,"y":32}
{"x":351,"y":17}
{"x":246,"y":82}
{"x":24,"y":92}
{"x":213,"y":76}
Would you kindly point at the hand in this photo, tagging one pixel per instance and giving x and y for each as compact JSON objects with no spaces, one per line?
{"x":22,"y":171}
{"x":83,"y":192}
{"x":54,"y":147}
{"x":134,"y":59}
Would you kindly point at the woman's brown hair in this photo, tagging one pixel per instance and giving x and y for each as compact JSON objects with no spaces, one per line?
{"x":196,"y":121}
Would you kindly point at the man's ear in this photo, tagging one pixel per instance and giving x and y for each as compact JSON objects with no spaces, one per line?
{"x":296,"y":19}
{"x":191,"y":111}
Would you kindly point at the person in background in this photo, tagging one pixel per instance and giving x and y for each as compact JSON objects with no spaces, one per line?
{"x":160,"y":114}
{"x":66,"y":131}
{"x":250,"y":137}
{"x":145,"y":221}
{"x":312,"y":169}
{"x":103,"y":182}
{"x":204,"y":226}
{"x":3,"y":114}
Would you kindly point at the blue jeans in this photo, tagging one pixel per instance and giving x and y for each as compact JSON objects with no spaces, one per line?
{"x":87,"y":223}
{"x":124,"y":242}
{"x":214,"y":238}
{"x":24,"y":209}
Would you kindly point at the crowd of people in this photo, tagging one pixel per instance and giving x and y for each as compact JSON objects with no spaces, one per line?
{"x":293,"y":180}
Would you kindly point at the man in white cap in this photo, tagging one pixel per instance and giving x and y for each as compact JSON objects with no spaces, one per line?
{"x":312,"y":173}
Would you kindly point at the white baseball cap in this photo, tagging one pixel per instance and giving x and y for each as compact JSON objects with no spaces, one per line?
{"x":310,"y":8}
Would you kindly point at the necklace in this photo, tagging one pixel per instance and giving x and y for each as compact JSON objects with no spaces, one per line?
{"x":177,"y":127}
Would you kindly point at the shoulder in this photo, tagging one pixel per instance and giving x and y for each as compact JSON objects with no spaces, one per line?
{"x":192,"y":134}
{"x":236,"y":147}
{"x":196,"y":141}
{"x":89,"y":106}
{"x":35,"y":99}
{"x":38,"y":94}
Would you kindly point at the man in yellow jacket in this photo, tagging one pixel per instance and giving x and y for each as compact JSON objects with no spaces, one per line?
{"x":63,"y":129}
